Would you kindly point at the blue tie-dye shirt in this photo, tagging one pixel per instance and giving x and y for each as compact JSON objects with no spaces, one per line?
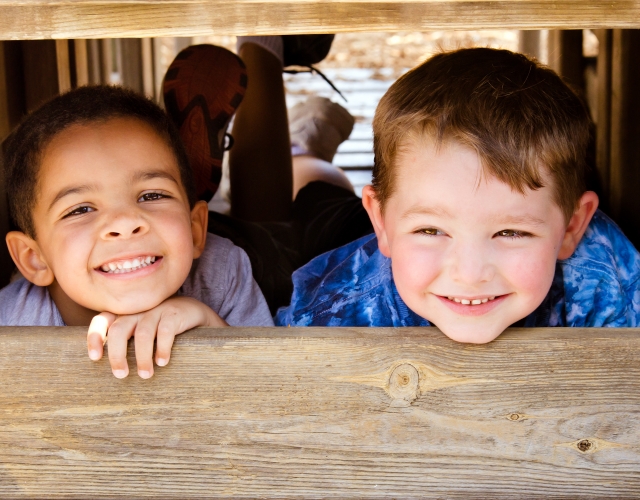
{"x":353,"y":285}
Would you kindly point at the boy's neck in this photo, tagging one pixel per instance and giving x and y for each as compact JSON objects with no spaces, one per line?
{"x":72,"y":313}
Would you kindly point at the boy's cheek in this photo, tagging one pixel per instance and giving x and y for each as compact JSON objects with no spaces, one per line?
{"x":414,"y":268}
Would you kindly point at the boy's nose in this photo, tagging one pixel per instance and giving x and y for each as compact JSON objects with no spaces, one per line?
{"x":470,"y":265}
{"x":125,"y":226}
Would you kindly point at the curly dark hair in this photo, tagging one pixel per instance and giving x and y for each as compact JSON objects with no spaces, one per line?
{"x":24,"y":148}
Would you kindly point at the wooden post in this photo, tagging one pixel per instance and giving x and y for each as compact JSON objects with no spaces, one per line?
{"x":325,"y":412}
{"x":565,"y":55}
{"x":131,"y":63}
{"x":82,"y":62}
{"x":603,"y":126}
{"x":63,"y":65}
{"x":147,"y":67}
{"x":94,"y":53}
{"x":625,"y":131}
{"x":529,"y":43}
{"x":107,"y":59}
{"x":40,"y":72}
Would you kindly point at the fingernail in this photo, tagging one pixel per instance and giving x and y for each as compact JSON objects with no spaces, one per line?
{"x":94,"y":355}
{"x":120,"y":373}
{"x":161,"y":362}
{"x":144,"y":373}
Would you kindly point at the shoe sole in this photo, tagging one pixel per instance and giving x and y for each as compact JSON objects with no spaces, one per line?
{"x":202,"y":89}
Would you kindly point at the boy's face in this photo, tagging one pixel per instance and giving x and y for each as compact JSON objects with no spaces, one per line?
{"x":112,"y":219}
{"x":468,"y":253}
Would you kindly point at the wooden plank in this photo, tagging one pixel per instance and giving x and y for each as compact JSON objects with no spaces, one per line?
{"x":333,"y":412}
{"x":22,"y":19}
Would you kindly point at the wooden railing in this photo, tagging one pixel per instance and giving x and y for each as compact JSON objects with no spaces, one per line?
{"x":544,"y":413}
{"x":36,"y":19}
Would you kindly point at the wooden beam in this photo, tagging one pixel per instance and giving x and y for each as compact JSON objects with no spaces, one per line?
{"x":21,"y":19}
{"x":333,"y":412}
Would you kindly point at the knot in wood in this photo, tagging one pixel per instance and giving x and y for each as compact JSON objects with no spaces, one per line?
{"x":403,"y":383}
{"x":584,"y":445}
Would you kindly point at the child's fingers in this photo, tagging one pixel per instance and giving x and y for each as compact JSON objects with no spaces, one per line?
{"x":97,"y":334}
{"x":169,"y":326}
{"x":144,"y":338}
{"x":119,"y":334}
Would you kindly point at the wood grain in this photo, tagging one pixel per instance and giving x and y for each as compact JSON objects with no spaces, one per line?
{"x":545,"y":413}
{"x":29,"y":19}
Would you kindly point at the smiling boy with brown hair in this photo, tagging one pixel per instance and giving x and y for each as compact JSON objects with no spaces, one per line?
{"x":480,"y":209}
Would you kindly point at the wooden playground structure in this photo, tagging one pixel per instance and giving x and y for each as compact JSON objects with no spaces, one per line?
{"x":343,"y":412}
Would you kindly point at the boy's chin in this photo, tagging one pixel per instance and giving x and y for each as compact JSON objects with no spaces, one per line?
{"x":471,"y":334}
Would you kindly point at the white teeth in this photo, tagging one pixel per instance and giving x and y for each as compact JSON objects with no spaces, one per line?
{"x":473,"y":302}
{"x":127,"y":266}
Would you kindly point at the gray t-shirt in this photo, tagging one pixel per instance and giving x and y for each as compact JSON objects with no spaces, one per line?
{"x":221,"y":278}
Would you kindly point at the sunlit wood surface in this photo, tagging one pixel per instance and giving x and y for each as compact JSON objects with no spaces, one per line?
{"x":275,"y":413}
{"x":26,"y":19}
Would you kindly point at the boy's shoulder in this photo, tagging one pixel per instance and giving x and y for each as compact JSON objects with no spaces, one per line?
{"x":349,"y":286}
{"x":222,"y":279}
{"x":601,"y":279}
{"x":24,"y":304}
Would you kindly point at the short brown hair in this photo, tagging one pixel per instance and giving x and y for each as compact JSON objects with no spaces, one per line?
{"x":519,"y":116}
{"x":93,"y":104}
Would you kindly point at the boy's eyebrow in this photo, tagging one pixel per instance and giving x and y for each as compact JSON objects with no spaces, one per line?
{"x":146,"y":175}
{"x":438,"y":211}
{"x":520,"y":219}
{"x":71,"y":190}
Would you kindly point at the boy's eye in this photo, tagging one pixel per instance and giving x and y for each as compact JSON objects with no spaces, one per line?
{"x":430,"y":231}
{"x":510,"y":233}
{"x":78,"y":211}
{"x":152,"y":197}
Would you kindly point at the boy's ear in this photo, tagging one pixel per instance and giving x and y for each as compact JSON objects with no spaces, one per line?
{"x":372,"y":206}
{"x":199,"y":219}
{"x":27,"y":256}
{"x":578,"y":224}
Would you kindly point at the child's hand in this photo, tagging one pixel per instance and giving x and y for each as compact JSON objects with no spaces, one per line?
{"x":164,"y":322}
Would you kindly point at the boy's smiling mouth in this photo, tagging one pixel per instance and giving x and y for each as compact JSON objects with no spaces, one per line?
{"x":473,"y":302}
{"x":124,"y":266}
{"x":472,"y":306}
